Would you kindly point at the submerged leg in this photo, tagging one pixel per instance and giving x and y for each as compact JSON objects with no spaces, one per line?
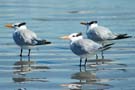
{"x":29,"y":52}
{"x":80,"y":61}
{"x":102,"y":54}
{"x":20,"y":59}
{"x":85,"y":62}
{"x":28,"y":58}
{"x":29,"y":63}
{"x":21,"y":52}
{"x":96,"y":59}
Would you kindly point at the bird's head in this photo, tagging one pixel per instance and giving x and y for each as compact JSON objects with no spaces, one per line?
{"x":21,"y":25}
{"x":73,"y":36}
{"x":92,"y":24}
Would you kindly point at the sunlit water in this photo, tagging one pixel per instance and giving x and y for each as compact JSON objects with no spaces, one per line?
{"x":53,"y":65}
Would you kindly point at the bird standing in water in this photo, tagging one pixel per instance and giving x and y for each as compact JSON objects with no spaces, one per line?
{"x":101,"y":34}
{"x":25,"y":38}
{"x":84,"y":47}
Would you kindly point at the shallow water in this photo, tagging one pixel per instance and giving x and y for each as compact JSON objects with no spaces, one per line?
{"x":53,"y":65}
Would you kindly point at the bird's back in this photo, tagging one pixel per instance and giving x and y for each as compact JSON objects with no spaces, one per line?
{"x":24,"y":37}
{"x":84,"y":47}
{"x":100,"y":33}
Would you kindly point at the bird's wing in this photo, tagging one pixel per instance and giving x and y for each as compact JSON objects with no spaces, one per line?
{"x":25,"y":37}
{"x":77,"y":48}
{"x":30,"y":37}
{"x":90,"y":46}
{"x":84,"y":46}
{"x":103,"y":33}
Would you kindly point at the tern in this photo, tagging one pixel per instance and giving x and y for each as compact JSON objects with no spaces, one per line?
{"x":100,"y":33}
{"x":25,"y":38}
{"x":84,"y":47}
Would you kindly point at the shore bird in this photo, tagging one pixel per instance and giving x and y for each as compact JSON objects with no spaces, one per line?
{"x":99,"y":33}
{"x":84,"y":47}
{"x":25,"y":38}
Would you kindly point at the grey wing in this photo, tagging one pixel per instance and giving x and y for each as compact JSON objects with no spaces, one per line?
{"x":84,"y":47}
{"x":90,"y":46}
{"x":104,"y":33}
{"x":101,"y":33}
{"x":25,"y":37}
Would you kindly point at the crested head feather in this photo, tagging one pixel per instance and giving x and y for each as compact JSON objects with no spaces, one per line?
{"x":23,"y":23}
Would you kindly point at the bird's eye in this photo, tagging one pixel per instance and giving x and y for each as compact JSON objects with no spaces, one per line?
{"x":73,"y":35}
{"x":15,"y":25}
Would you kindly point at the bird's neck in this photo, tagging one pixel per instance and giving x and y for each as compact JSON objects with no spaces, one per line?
{"x":94,"y":25}
{"x":90,"y":27}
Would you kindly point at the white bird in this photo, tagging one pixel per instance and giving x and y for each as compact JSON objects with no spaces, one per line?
{"x":84,"y":47}
{"x":100,"y":33}
{"x":25,"y":38}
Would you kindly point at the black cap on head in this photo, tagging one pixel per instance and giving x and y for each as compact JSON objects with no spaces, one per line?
{"x":79,"y":34}
{"x":23,"y":23}
{"x":92,"y":22}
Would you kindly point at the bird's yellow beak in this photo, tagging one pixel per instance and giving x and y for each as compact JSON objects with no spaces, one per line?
{"x":65,"y":37}
{"x":9,"y":26}
{"x":83,"y":23}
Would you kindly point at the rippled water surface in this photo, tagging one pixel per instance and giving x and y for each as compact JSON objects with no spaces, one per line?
{"x":51,"y":66}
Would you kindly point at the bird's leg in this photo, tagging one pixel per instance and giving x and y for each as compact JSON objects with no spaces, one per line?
{"x":102,"y":53}
{"x":29,"y":63}
{"x":21,"y":52}
{"x":96,"y":56}
{"x":85,"y":62}
{"x":80,"y":62}
{"x":28,"y":58}
{"x":20,"y":59}
{"x":29,"y":52}
{"x":96,"y":59}
{"x":102,"y":57}
{"x":80,"y":69}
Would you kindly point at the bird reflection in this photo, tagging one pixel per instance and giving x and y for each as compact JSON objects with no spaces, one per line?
{"x":99,"y":61}
{"x":89,"y":80}
{"x":109,"y":64}
{"x":84,"y":77}
{"x":22,"y":68}
{"x":95,"y":62}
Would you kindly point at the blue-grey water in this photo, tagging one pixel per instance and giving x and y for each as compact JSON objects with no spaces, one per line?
{"x":53,"y":65}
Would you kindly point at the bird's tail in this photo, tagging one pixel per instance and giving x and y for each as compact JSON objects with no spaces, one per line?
{"x":106,"y":47}
{"x":122,"y":36}
{"x":43,"y":42}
